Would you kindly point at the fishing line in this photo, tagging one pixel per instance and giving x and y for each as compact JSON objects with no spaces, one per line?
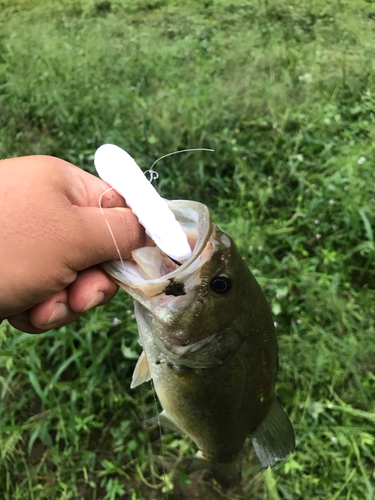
{"x":109,"y":227}
{"x":161,"y":437}
{"x":153,"y":176}
{"x":177,"y":152}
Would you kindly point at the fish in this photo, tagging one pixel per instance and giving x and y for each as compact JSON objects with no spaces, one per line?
{"x":209,"y":346}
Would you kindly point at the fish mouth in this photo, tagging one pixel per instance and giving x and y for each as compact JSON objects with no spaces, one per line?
{"x":150,"y":272}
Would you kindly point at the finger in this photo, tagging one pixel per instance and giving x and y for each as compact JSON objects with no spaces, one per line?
{"x":53,"y":312}
{"x":86,"y":189}
{"x":22,"y":322}
{"x":91,"y":288}
{"x":101,"y":236}
{"x":80,"y":187}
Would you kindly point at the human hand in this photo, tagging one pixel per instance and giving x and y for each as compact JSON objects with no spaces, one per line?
{"x":53,"y":236}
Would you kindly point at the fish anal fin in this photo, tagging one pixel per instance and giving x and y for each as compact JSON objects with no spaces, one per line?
{"x":273,"y":440}
{"x":141,"y":372}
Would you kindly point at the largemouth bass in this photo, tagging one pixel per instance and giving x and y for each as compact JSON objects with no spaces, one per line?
{"x":209,"y":346}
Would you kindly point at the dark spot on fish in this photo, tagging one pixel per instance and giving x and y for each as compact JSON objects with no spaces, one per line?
{"x":157,"y":362}
{"x":175,"y":288}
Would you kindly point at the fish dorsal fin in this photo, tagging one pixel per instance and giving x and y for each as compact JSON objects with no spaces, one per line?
{"x":273,"y":439}
{"x":142,"y":371}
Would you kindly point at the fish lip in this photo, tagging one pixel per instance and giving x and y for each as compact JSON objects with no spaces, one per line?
{"x":204,"y":218}
{"x":182,"y":272}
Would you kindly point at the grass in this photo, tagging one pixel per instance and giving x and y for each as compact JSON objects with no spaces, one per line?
{"x":284,"y":92}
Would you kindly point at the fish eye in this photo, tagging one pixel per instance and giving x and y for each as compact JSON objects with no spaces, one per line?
{"x":221,"y":284}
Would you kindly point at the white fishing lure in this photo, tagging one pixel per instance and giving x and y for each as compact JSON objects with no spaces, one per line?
{"x":118,"y":169}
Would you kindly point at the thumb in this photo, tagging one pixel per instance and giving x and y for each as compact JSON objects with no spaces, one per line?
{"x":101,"y":236}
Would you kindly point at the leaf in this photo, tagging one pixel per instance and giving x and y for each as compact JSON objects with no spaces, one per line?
{"x":276,"y":309}
{"x":45,"y":436}
{"x":127,"y":352}
{"x":33,"y":437}
{"x":64,"y":366}
{"x":367,"y":224}
{"x":35,"y":383}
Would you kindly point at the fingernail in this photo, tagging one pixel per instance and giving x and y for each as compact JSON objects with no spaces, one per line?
{"x":59,"y":313}
{"x":96,"y":300}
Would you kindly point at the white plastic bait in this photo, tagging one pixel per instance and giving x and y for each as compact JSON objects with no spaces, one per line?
{"x":118,"y":169}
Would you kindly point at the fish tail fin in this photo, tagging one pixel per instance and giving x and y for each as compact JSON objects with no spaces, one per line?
{"x":273,"y":439}
{"x":228,"y":475}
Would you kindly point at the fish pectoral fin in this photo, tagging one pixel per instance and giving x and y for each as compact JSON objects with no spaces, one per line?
{"x":141,"y":372}
{"x":227,"y":475}
{"x":273,"y":439}
{"x":163,"y":420}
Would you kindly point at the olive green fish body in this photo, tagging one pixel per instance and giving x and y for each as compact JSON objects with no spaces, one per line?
{"x":209,"y":343}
